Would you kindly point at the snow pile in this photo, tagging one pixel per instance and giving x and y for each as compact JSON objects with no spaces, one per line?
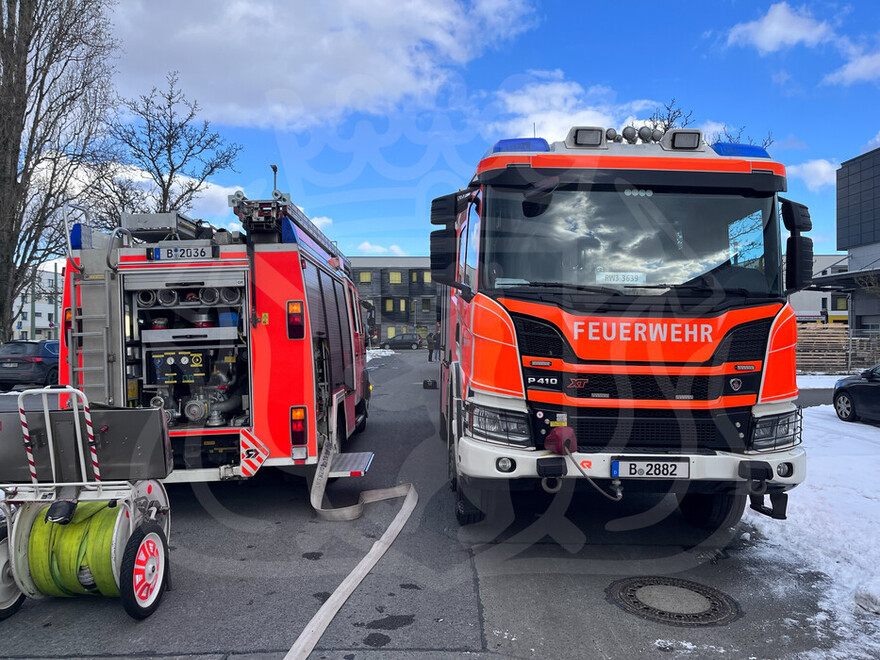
{"x":378,"y":352}
{"x":818,"y":381}
{"x":834,"y":517}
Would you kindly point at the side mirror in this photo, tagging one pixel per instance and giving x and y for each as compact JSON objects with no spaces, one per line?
{"x":795,"y":217}
{"x":867,"y":373}
{"x":444,"y":210}
{"x":443,"y":256}
{"x":798,"y":263}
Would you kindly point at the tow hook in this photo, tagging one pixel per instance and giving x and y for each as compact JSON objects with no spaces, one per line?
{"x":758,"y":473}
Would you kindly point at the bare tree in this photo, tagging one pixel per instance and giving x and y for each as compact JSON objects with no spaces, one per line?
{"x":54,"y":88}
{"x":670,"y":116}
{"x":159,"y":135}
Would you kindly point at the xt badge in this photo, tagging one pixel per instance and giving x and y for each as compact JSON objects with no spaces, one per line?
{"x":736,"y":384}
{"x":579,"y":383}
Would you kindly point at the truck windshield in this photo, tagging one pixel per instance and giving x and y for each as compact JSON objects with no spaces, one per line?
{"x":632,"y":241}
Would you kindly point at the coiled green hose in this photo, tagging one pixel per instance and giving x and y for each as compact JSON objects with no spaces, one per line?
{"x":62,"y":557}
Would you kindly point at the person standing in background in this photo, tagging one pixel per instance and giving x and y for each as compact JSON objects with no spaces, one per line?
{"x":430,"y":339}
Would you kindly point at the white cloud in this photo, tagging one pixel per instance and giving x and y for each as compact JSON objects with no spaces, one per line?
{"x":781,"y":27}
{"x":294,"y":63}
{"x":862,"y":68}
{"x":816,"y":174}
{"x":712,"y":129}
{"x":322,"y":221}
{"x":368,"y":248}
{"x":549,"y":105}
{"x":873,"y":143}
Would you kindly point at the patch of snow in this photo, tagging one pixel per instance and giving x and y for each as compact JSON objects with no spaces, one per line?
{"x":378,"y":352}
{"x":833,"y":523}
{"x":818,"y":381}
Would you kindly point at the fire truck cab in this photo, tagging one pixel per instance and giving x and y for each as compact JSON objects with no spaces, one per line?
{"x":250,"y":341}
{"x":617,"y":313}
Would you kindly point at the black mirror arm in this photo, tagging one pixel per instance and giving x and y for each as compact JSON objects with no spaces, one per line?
{"x":466,"y":291}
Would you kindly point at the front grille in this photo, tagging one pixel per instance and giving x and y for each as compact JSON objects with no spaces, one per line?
{"x":610,"y":429}
{"x":643,"y":386}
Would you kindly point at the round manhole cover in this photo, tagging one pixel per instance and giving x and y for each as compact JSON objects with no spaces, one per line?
{"x":672,"y":600}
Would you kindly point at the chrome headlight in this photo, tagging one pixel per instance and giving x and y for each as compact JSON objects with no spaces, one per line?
{"x":777,"y":431}
{"x":502,"y":426}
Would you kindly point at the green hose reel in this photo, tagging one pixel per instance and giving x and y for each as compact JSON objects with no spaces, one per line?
{"x":77,"y":558}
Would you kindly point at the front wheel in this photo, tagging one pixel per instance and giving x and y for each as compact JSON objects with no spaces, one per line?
{"x":414,"y":346}
{"x":712,"y":510}
{"x":11,"y":596}
{"x":843,"y":406}
{"x":143,"y":577}
{"x":386,"y":346}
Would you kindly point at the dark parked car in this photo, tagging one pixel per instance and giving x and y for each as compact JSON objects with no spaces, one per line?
{"x":31,"y":362}
{"x":858,"y":396}
{"x":406,"y":340}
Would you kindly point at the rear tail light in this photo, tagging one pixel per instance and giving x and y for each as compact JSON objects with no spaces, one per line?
{"x":298,"y":435}
{"x":68,"y":320}
{"x":296,"y":325}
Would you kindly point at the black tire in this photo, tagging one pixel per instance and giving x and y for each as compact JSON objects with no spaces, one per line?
{"x":143,"y":577}
{"x":844,"y":407}
{"x":11,"y":596}
{"x":414,"y":346}
{"x":467,"y":504}
{"x":52,"y":376}
{"x":712,"y":510}
{"x":386,"y":346}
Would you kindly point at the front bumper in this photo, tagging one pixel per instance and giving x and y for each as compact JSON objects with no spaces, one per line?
{"x":477,"y":460}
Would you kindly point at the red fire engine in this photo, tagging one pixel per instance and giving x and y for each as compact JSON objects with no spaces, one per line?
{"x":617,"y":313}
{"x":252,"y":343}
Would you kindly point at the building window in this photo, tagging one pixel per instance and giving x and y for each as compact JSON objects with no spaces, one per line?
{"x":389,"y":305}
{"x":391,"y":333}
{"x":403,"y":304}
{"x":38,"y":314}
{"x":24,"y":316}
{"x":24,"y":299}
{"x":838,"y":302}
{"x":426,"y":277}
{"x":51,"y":317}
{"x":824,"y":303}
{"x":415,"y":276}
{"x":366,"y":277}
{"x":394,"y":277}
{"x":426,"y":304}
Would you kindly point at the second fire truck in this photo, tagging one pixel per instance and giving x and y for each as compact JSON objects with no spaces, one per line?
{"x":251,"y":342}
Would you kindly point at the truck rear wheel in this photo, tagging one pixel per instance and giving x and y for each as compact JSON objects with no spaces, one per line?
{"x":712,"y":510}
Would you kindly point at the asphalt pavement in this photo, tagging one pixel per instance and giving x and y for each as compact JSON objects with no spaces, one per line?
{"x":252,"y":563}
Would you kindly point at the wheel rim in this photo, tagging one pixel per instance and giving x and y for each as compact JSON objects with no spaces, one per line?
{"x":9,"y":591}
{"x":844,"y":406}
{"x":149,"y":569}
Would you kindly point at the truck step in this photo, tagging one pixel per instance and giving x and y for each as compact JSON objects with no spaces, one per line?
{"x":354,"y":464}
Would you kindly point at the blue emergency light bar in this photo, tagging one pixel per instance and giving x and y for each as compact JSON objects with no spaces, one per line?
{"x":519,"y":144}
{"x":742,"y":150}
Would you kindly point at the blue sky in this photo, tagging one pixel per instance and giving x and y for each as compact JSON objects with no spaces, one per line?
{"x":372,"y":108}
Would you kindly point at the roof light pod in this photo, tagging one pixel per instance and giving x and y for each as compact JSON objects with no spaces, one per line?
{"x":683,"y":140}
{"x":586,"y":137}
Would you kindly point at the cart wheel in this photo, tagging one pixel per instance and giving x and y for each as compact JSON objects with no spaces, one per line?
{"x":11,"y":596}
{"x":144,"y":573}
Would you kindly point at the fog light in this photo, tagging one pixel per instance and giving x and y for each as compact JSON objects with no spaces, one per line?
{"x":299,"y":453}
{"x":785,"y":469}
{"x":505,"y":464}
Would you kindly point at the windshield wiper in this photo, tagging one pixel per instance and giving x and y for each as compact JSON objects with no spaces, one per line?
{"x":580,"y":287}
{"x":699,"y":288}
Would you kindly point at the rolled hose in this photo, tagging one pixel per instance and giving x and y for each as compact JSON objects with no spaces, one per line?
{"x":61,"y":557}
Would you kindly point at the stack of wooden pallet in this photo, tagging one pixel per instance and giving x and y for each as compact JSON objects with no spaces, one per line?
{"x":823,"y":347}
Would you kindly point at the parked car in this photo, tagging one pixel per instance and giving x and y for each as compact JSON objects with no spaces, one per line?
{"x":857,"y":397}
{"x":406,"y":340}
{"x":30,"y":362}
